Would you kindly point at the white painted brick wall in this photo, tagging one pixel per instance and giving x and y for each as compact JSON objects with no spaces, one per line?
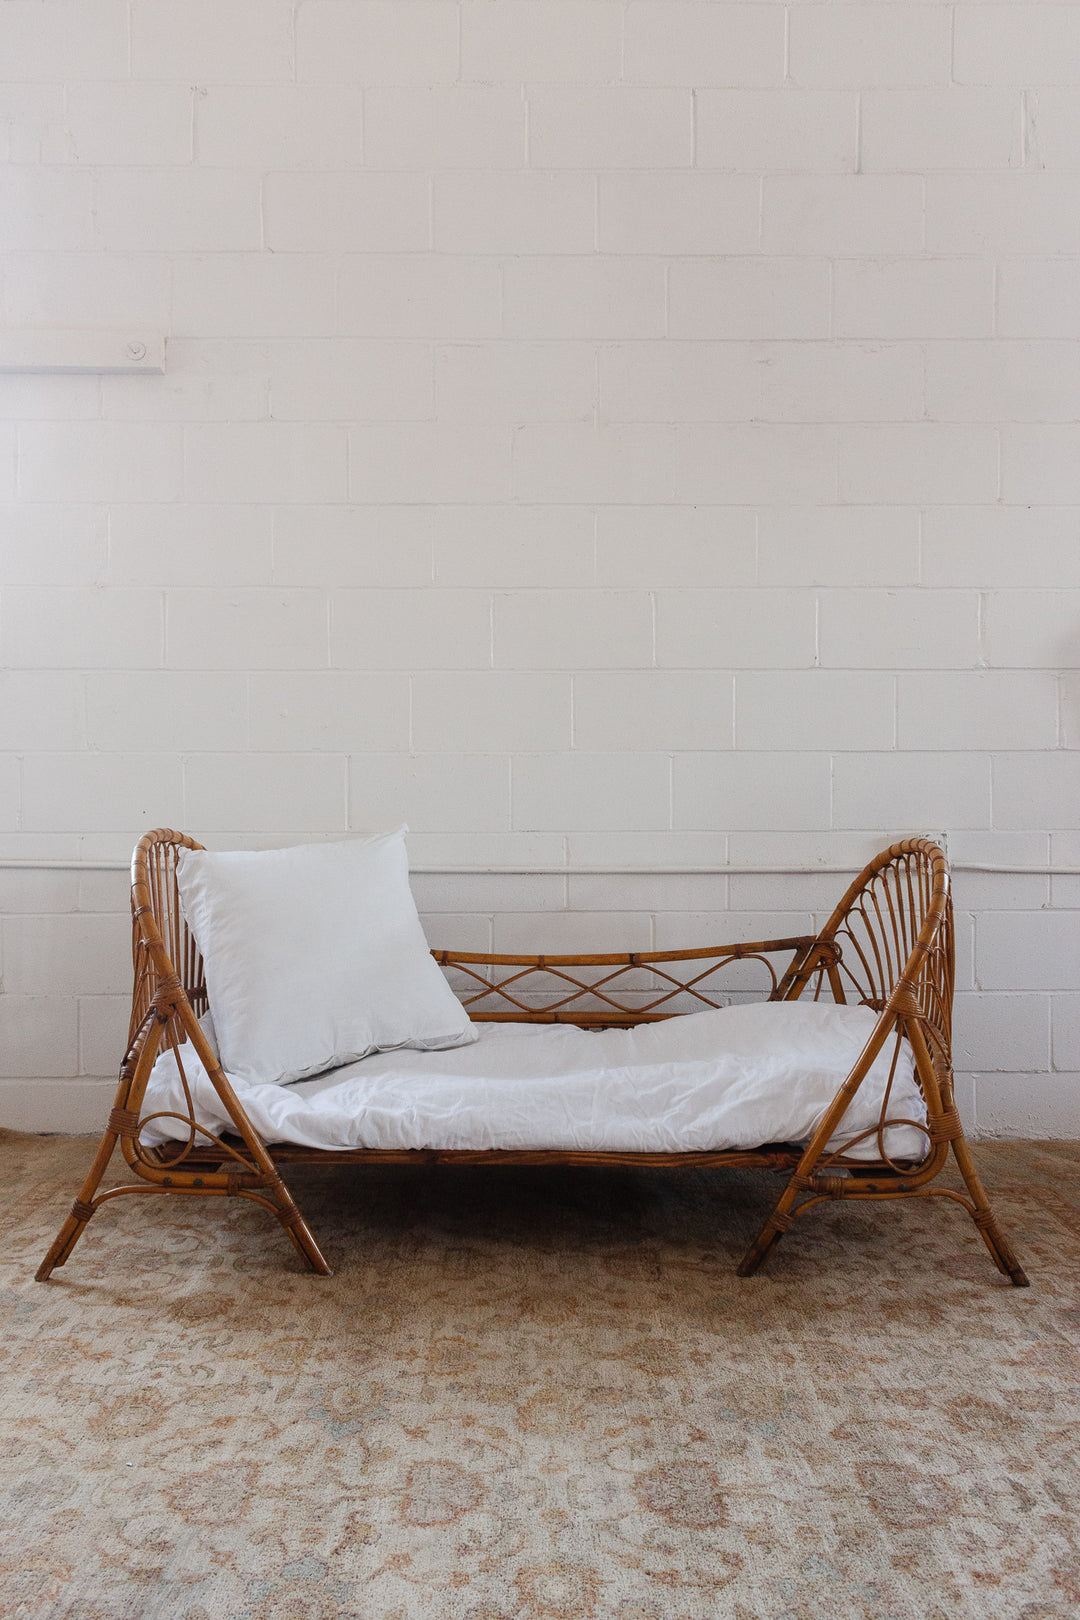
{"x":604,"y":432}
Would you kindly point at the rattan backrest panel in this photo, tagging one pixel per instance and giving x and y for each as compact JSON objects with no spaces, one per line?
{"x":162,"y":942}
{"x":894,"y":929}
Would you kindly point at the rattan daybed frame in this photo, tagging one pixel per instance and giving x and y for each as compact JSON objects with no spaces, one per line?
{"x":888,"y":945}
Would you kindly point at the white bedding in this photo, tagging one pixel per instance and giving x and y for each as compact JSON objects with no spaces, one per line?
{"x":737,"y":1077}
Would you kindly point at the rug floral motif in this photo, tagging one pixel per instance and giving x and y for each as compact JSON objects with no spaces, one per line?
{"x":539,"y":1395}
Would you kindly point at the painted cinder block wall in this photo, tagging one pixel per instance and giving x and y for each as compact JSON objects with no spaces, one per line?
{"x":602,"y":434}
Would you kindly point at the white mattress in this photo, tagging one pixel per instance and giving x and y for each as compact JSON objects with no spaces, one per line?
{"x":737,"y":1077}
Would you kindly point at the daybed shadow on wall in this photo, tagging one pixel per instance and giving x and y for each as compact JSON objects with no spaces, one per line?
{"x":888,"y":946}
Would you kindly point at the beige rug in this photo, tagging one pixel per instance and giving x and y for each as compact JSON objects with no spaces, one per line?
{"x":536,"y":1395}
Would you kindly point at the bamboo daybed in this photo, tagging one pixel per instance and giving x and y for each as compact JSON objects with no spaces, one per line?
{"x":888,"y":946}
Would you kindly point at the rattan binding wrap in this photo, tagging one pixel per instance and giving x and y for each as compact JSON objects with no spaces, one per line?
{"x":888,"y":945}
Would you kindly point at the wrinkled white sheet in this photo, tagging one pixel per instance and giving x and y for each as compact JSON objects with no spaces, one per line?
{"x":737,"y":1077}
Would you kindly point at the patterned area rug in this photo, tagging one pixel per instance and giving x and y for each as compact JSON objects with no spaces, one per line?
{"x":540,"y":1395}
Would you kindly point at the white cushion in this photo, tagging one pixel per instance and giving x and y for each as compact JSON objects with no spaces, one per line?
{"x":315,"y":956}
{"x":738,"y":1077}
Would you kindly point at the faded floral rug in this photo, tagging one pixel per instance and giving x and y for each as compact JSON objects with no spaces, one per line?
{"x":539,"y":1395}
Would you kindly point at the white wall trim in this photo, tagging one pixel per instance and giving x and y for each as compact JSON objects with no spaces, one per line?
{"x":591,"y":871}
{"x":41,"y":352}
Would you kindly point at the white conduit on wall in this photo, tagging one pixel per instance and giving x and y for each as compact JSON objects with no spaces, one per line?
{"x":592,"y":871}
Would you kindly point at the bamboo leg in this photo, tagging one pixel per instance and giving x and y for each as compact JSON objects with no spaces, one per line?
{"x":300,"y":1233}
{"x":283,"y":1203}
{"x":784,"y":1212}
{"x":985,"y":1219}
{"x":773,"y":1230}
{"x":81,"y":1211}
{"x":998,"y":1244}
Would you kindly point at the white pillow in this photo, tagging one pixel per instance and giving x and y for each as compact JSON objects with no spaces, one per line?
{"x":315,"y":957}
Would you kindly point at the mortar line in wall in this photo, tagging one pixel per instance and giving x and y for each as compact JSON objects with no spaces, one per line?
{"x":348,"y":450}
{"x":922,"y":209}
{"x":858,"y":133}
{"x":995,"y":277}
{"x":84,"y":727}
{"x":183,"y":761}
